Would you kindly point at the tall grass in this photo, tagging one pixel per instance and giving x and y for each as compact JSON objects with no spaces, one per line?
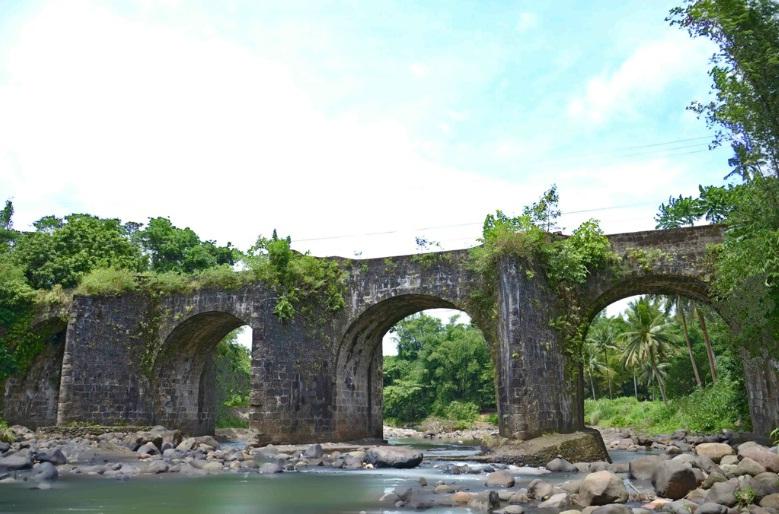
{"x":708,"y":410}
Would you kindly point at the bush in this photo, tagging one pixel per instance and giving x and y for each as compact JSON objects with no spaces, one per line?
{"x":107,"y":281}
{"x":6,"y":434}
{"x":709,"y":410}
{"x":461,"y":411}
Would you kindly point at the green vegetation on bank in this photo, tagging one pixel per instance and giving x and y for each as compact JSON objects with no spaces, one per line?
{"x":233,"y":381}
{"x":442,"y":369}
{"x":709,"y":410}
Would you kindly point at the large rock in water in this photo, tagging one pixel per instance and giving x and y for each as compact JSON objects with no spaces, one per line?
{"x":602,"y":488}
{"x":673,"y":479}
{"x":394,"y":457}
{"x":583,"y":446}
{"x":714,"y":451}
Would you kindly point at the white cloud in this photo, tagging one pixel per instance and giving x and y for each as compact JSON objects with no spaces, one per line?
{"x":646,"y":73}
{"x":108,"y":115}
{"x":526,"y":21}
{"x":419,"y":70}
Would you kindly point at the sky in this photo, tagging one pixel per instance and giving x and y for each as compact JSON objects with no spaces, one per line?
{"x":354,"y":127}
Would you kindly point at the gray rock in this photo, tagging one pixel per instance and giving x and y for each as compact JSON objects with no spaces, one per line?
{"x":619,"y":467}
{"x":680,"y":507}
{"x":313,"y":451}
{"x":644,"y":467}
{"x":614,"y":508}
{"x":674,"y":479}
{"x":749,"y":466}
{"x":270,"y":468}
{"x":602,"y":488}
{"x":148,"y":449}
{"x":764,"y":484}
{"x":760,"y":454}
{"x":394,"y":457}
{"x":157,"y":466}
{"x":500,"y":479}
{"x":539,"y":489}
{"x":714,"y":451}
{"x":56,"y":457}
{"x":555,"y":502}
{"x":561,"y":465}
{"x":511,"y":509}
{"x":729,"y":459}
{"x":712,"y":508}
{"x":15,"y":462}
{"x":44,"y":471}
{"x":723,"y":493}
{"x":770,"y":501}
{"x":4,"y":446}
{"x":712,"y":479}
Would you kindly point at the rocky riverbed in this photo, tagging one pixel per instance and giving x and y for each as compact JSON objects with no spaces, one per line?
{"x":678,"y":473}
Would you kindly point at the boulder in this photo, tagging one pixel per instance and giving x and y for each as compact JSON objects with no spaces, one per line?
{"x":674,"y":479}
{"x":712,"y":479}
{"x":586,"y":445}
{"x":15,"y":462}
{"x":760,"y":454}
{"x":539,"y":490}
{"x":712,"y":508}
{"x":644,"y":467}
{"x":44,"y":471}
{"x":511,"y":509}
{"x":602,"y":488}
{"x":461,"y":498}
{"x":614,"y":508}
{"x":556,"y":502}
{"x":561,"y":465}
{"x":771,"y":501}
{"x":748,"y":466}
{"x":729,"y":459}
{"x":270,"y":468}
{"x":681,"y":506}
{"x":156,"y":467}
{"x":148,"y":449}
{"x":723,"y":493}
{"x":56,"y":457}
{"x":764,"y":484}
{"x":714,"y":451}
{"x":313,"y":451}
{"x":500,"y":478}
{"x":394,"y":457}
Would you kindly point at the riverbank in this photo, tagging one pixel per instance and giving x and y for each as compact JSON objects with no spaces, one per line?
{"x":677,"y":472}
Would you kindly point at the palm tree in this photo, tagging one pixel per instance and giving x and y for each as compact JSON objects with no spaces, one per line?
{"x":681,"y":308}
{"x":592,"y":363}
{"x":602,"y":338}
{"x":707,"y":341}
{"x":647,"y":340}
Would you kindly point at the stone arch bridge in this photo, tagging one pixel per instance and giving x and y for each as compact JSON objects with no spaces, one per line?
{"x":130,"y":359}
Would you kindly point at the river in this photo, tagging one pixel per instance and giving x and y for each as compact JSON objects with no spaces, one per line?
{"x":312,"y":491}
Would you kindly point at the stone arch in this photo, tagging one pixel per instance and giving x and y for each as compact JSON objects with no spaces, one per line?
{"x":32,"y":399}
{"x":358,"y":375}
{"x":184,"y":372}
{"x":662,"y":284}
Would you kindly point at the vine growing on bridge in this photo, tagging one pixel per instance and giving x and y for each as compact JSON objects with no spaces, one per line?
{"x":565,"y":262}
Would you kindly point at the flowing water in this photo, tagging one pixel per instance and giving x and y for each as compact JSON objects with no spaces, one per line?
{"x":314,"y":491}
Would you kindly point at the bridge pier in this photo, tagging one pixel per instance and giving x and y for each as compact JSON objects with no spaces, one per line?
{"x":540,"y":389}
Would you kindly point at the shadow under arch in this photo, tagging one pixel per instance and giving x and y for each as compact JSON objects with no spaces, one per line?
{"x":32,"y":398}
{"x":359,"y":364}
{"x":184,"y":372}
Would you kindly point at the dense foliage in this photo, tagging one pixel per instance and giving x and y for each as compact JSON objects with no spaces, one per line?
{"x":442,"y":369}
{"x":233,"y":380}
{"x":745,"y":111}
{"x":89,"y":255}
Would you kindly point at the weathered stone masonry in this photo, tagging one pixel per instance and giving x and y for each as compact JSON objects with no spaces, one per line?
{"x":132,"y":359}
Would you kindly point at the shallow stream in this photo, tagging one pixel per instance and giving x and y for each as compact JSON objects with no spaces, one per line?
{"x":311,"y":491}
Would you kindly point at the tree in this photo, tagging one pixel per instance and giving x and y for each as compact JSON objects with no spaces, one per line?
{"x":647,"y":341}
{"x":745,"y":107}
{"x":545,"y":212}
{"x":171,"y":248}
{"x":61,"y":251}
{"x":681,"y":308}
{"x":601,"y":340}
{"x":7,"y":233}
